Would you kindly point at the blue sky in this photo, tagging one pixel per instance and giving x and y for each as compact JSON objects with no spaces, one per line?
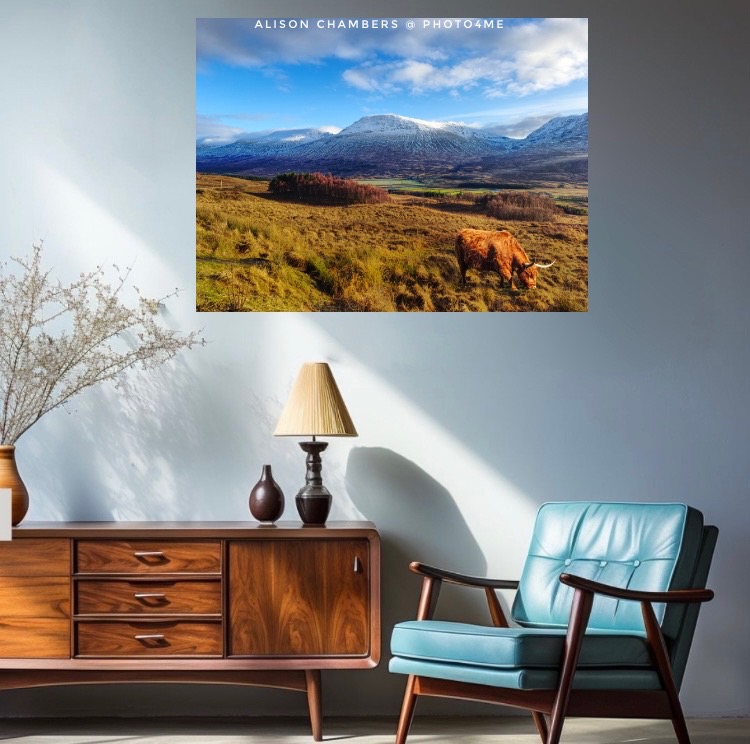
{"x":253,"y":79}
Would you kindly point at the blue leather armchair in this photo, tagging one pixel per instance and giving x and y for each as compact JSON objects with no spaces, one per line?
{"x":604,"y":616}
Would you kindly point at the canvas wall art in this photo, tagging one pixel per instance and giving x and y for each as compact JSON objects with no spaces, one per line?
{"x":392,"y":165}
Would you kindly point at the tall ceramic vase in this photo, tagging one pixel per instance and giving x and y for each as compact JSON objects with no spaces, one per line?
{"x":10,"y":478}
{"x":266,"y":498}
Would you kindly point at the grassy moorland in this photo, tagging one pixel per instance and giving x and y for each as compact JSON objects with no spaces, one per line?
{"x":259,"y":252}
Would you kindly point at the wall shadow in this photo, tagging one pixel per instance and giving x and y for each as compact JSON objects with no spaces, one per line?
{"x":418,"y":520}
{"x":151,"y":448}
{"x":429,"y":528}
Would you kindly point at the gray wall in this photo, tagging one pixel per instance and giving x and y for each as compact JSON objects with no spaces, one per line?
{"x":467,"y":423}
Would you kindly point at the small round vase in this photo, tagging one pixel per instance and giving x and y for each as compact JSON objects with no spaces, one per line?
{"x":266,"y":498}
{"x":10,"y":478}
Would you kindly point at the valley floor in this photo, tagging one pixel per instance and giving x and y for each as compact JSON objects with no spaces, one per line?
{"x":256,"y":252}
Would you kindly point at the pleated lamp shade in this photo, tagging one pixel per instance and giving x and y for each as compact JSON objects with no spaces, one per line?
{"x":315,"y":406}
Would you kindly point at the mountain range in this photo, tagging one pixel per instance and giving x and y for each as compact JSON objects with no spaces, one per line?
{"x":393,"y":146}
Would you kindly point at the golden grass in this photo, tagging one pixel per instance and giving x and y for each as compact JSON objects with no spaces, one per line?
{"x":256,"y":252}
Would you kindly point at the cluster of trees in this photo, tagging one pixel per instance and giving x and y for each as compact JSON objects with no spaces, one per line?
{"x":518,"y":205}
{"x":317,"y":188}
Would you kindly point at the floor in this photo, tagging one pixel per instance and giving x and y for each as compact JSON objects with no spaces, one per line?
{"x":359,"y":731}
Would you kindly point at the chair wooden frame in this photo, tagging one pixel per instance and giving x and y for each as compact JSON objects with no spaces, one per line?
{"x":556,"y":704}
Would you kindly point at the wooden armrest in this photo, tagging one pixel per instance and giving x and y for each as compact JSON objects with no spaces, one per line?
{"x":676,"y":595}
{"x":456,"y":578}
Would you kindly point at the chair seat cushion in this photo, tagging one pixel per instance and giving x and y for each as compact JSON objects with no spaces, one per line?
{"x":514,"y":648}
{"x":592,"y":678}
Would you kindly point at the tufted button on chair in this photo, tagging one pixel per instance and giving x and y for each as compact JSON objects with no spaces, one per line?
{"x":603,"y":620}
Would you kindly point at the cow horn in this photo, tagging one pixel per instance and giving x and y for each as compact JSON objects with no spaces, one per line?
{"x":527,"y":266}
{"x":543,"y":266}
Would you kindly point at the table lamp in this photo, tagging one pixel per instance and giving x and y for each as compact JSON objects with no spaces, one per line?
{"x":314,"y":408}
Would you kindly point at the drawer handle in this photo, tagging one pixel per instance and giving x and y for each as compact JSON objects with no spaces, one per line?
{"x":150,"y":556}
{"x":152,"y":640}
{"x":151,"y":598}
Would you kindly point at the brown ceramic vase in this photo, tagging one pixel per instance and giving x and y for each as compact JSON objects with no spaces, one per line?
{"x":10,"y":478}
{"x":266,"y":498}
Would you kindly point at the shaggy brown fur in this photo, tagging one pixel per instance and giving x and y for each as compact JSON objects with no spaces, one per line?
{"x":498,"y":251}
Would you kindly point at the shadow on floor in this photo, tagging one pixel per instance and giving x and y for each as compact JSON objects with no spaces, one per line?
{"x":474,"y":730}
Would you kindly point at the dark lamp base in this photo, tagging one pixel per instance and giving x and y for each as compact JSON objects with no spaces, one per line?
{"x":313,"y":500}
{"x":314,"y":509}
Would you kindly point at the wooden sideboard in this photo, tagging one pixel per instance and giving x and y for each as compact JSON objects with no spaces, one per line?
{"x":216,"y":602}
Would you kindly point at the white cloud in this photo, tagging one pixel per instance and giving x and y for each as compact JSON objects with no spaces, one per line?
{"x":532,"y":57}
{"x":555,"y":54}
{"x":210,"y":130}
{"x":362,"y":79}
{"x":415,"y":73}
{"x":236,"y":41}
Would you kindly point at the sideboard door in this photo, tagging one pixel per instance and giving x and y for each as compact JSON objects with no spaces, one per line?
{"x":299,"y":597}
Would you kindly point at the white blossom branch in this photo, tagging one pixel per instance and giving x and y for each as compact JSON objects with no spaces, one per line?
{"x":57,"y":340}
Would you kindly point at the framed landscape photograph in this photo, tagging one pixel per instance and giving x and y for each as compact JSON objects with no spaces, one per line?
{"x":392,"y":165}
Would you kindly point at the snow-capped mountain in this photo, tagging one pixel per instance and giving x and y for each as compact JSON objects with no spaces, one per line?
{"x":389,"y":144}
{"x":400,"y":138}
{"x":562,"y":132}
{"x":394,"y":125}
{"x":265,"y":144}
{"x":292,"y":137}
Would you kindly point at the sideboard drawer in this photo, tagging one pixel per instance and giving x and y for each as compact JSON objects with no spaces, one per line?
{"x":35,"y":557}
{"x":148,"y":597}
{"x":148,"y":639}
{"x":34,"y":638}
{"x":34,"y":597}
{"x":147,"y":556}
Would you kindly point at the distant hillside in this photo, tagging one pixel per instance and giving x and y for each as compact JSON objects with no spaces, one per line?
{"x":570,"y":133}
{"x":389,"y":145}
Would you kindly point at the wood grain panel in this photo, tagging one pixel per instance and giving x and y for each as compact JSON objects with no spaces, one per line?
{"x":35,"y":557}
{"x":148,"y":556}
{"x":148,"y":597}
{"x":298,"y":597}
{"x":34,"y":638}
{"x":276,"y":598}
{"x":35,"y":597}
{"x":347,"y":569}
{"x":148,"y":639}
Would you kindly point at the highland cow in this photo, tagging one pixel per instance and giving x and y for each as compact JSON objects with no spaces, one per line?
{"x":498,"y":251}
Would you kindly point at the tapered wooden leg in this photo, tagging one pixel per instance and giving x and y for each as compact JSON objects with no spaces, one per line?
{"x":541,"y":725}
{"x":680,"y":728}
{"x":661,"y":657}
{"x":407,"y":710}
{"x":312,"y":679}
{"x":579,"y":618}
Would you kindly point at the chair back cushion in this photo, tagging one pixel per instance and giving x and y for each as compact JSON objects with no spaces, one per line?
{"x":649,"y":547}
{"x":682,"y":642}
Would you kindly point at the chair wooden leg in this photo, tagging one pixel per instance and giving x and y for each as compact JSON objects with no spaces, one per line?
{"x":407,"y":710}
{"x":312,"y":678}
{"x":579,"y":617}
{"x":680,"y":728}
{"x":661,"y":657}
{"x":541,"y":725}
